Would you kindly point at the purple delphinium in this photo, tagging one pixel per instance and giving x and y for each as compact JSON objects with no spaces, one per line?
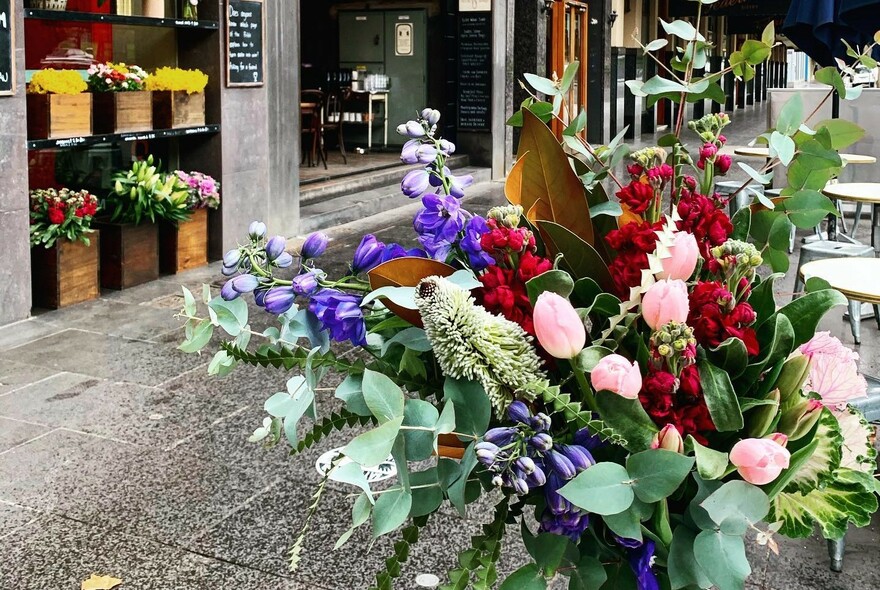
{"x":408,"y":152}
{"x":340,"y":314}
{"x":640,"y":560}
{"x":441,"y":217}
{"x":415,"y":182}
{"x":393,"y":251}
{"x":314,"y":245}
{"x":456,"y":184}
{"x":470,"y":243}
{"x":561,"y":517}
{"x":275,"y":247}
{"x":436,"y":249}
{"x":279,"y":299}
{"x":368,"y":254}
{"x":305,"y":284}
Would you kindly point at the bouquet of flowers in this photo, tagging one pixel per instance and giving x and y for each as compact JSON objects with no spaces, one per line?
{"x":616,"y":376}
{"x":145,"y":192}
{"x":116,"y":77}
{"x":177,"y":79}
{"x":61,"y":214}
{"x":51,"y":81}
{"x":203,"y":190}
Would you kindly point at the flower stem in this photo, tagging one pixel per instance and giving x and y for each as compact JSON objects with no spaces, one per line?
{"x":586,"y":390}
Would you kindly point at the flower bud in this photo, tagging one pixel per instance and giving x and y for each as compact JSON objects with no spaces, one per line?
{"x":284,"y":260}
{"x":500,"y":436}
{"x":683,"y":256}
{"x":314,"y":245}
{"x":305,"y":284}
{"x":368,"y":254}
{"x":541,"y":442}
{"x":279,"y":299}
{"x":561,"y":464}
{"x":708,"y":151}
{"x":521,"y":486}
{"x":260,"y":296}
{"x":761,"y":418}
{"x":579,"y":456}
{"x":541,"y":422}
{"x":526,"y":465}
{"x":558,"y":327}
{"x":665,"y":301}
{"x":497,"y":481}
{"x":426,"y":154}
{"x":778,"y":438}
{"x":519,"y":412}
{"x":257,"y":230}
{"x":227,"y":292}
{"x":616,"y":374}
{"x":411,"y":129}
{"x":228,"y":271}
{"x":432,"y":116}
{"x":415,"y":183}
{"x":537,"y":477}
{"x":800,"y":419}
{"x":668,"y":439}
{"x":244,"y":283}
{"x":231,"y":258}
{"x":759,"y":461}
{"x":408,"y":154}
{"x":447,"y":147}
{"x":792,"y":378}
{"x":275,"y":247}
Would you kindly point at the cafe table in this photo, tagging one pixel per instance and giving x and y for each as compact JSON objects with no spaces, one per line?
{"x":763,"y":152}
{"x":858,"y":279}
{"x":861,"y":193}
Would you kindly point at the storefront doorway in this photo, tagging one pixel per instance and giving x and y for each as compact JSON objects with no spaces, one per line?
{"x":567,"y":37}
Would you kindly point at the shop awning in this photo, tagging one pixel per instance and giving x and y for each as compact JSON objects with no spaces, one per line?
{"x":817,"y":27}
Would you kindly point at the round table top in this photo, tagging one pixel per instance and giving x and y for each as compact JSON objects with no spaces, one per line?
{"x":863,"y":192}
{"x":762,"y":152}
{"x":857,"y":278}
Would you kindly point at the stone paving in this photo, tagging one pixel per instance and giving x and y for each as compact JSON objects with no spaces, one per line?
{"x":119,"y":455}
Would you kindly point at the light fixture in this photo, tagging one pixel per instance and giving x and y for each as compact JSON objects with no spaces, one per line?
{"x":547,"y":5}
{"x":612,"y":17}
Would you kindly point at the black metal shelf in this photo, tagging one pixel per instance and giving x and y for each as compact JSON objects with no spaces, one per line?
{"x":119,"y":19}
{"x":88,"y":140}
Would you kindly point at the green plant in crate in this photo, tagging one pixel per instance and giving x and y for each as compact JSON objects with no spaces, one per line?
{"x":144,"y":192}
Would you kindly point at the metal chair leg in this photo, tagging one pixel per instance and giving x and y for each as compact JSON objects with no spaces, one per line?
{"x":855,"y":320}
{"x":877,"y":315}
{"x":836,"y":549}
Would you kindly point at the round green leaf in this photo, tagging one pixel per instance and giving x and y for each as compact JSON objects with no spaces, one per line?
{"x":391,"y":510}
{"x":382,"y":395}
{"x":419,"y":443}
{"x":657,"y":473}
{"x":604,"y":488}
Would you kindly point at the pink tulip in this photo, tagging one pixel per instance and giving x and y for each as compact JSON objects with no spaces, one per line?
{"x":668,"y":439}
{"x":759,"y":460}
{"x":558,"y":327}
{"x":616,"y":374}
{"x":682,"y":261}
{"x":666,"y":301}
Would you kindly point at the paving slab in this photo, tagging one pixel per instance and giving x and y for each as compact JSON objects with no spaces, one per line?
{"x":25,"y":331}
{"x":115,"y":318}
{"x":57,"y":553}
{"x":15,"y":375}
{"x":168,"y":497}
{"x":17,"y":432}
{"x":107,"y":357}
{"x":135,"y":413}
{"x":13,"y":517}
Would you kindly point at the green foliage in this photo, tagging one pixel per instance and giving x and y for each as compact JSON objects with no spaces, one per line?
{"x":374,"y":446}
{"x":472,"y":407}
{"x":628,"y":418}
{"x":476,"y":564}
{"x":721,"y":398}
{"x":575,"y":414}
{"x":555,"y":281}
{"x":335,"y":421}
{"x":605,"y":488}
{"x":409,"y":536}
{"x":657,"y":473}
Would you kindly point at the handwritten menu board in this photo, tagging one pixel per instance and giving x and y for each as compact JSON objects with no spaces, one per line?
{"x":7,"y":49}
{"x":245,"y":58}
{"x":474,"y":70}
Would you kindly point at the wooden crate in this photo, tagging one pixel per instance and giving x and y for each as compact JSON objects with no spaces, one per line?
{"x":66,"y":273}
{"x":184,"y":246}
{"x":56,"y":116}
{"x":178,"y":109}
{"x":129,"y":254}
{"x":122,"y":112}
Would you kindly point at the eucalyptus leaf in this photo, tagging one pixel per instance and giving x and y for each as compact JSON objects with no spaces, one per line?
{"x":382,"y":396}
{"x":657,"y":473}
{"x":390,"y":511}
{"x":374,"y":446}
{"x":605,"y":488}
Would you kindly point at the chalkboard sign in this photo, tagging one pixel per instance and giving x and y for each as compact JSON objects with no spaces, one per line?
{"x":245,"y":58}
{"x":474,"y":70}
{"x":7,"y":48}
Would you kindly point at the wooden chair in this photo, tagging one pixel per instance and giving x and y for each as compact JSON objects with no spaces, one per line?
{"x":312,"y":116}
{"x":333,"y":110}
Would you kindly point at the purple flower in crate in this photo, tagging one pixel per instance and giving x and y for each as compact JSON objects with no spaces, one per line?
{"x":415,"y":182}
{"x":368,"y":254}
{"x":470,"y":243}
{"x":341,"y":315}
{"x":442,"y":217}
{"x":314,"y":245}
{"x":279,"y":299}
{"x":305,"y":284}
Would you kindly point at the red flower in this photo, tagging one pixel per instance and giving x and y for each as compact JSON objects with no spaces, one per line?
{"x":502,"y":242}
{"x":504,"y":290}
{"x":702,"y":217}
{"x":635,"y":170}
{"x":658,"y":396}
{"x":715,"y":317}
{"x":632,"y":242}
{"x":637,"y":195}
{"x":56,"y":216}
{"x":678,"y":402}
{"x":626,"y":271}
{"x":722,"y":164}
{"x":531,"y":266}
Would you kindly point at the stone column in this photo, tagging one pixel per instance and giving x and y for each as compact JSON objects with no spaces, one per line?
{"x":15,"y":288}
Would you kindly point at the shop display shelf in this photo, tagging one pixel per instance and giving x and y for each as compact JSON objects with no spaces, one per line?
{"x":120,"y":19}
{"x":88,"y":140}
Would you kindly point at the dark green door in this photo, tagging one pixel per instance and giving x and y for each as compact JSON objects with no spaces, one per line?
{"x":406,"y":63}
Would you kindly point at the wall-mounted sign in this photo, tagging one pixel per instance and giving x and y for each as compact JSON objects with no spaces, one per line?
{"x":7,"y":48}
{"x":474,"y":70}
{"x":403,"y":39}
{"x":245,"y":57}
{"x":474,"y":5}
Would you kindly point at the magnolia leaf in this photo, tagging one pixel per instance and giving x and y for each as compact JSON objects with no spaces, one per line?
{"x":578,"y":256}
{"x":96,"y":582}
{"x":628,"y":418}
{"x":406,"y":272}
{"x":547,"y":176}
{"x":806,"y":312}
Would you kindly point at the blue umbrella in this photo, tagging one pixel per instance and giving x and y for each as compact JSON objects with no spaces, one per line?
{"x":817,"y":27}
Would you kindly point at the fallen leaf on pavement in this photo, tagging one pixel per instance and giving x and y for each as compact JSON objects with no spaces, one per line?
{"x":96,"y":582}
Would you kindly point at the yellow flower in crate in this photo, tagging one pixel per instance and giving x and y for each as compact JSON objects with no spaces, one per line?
{"x":56,"y":82}
{"x":177,"y":79}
